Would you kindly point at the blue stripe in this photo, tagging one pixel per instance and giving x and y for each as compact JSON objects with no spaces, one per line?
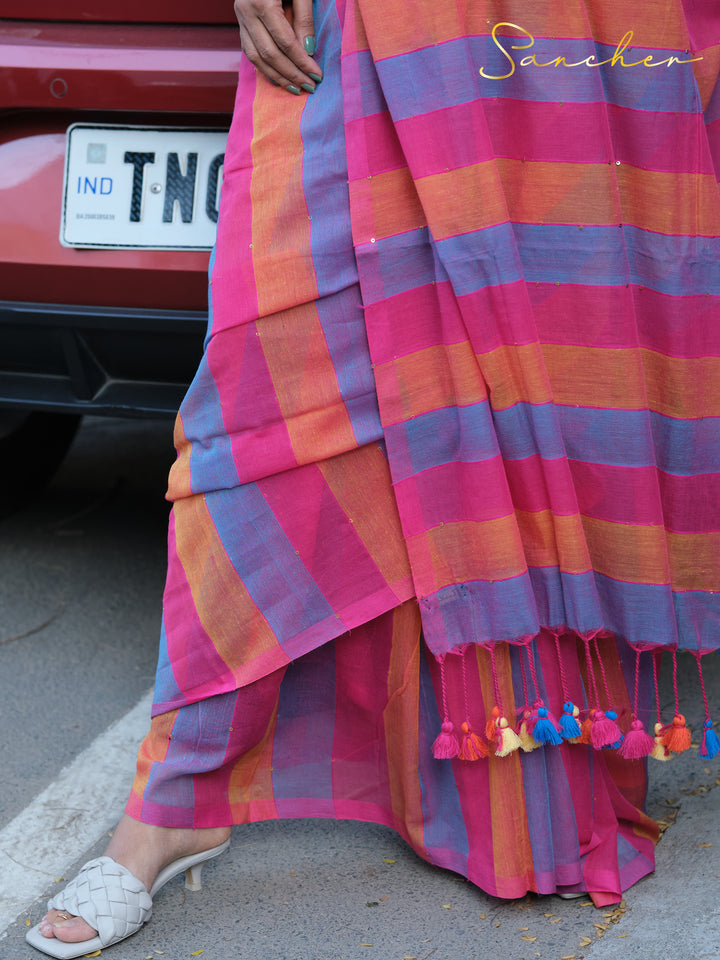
{"x":637,"y":438}
{"x":265,"y":560}
{"x":454,"y":67}
{"x":444,"y":828}
{"x":541,"y":253}
{"x":450,"y":435}
{"x":698,"y":618}
{"x":326,"y":192}
{"x":527,"y":430}
{"x":303,"y":741}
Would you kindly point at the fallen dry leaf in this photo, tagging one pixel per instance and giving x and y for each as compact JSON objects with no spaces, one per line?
{"x":704,"y":845}
{"x":523,"y":928}
{"x":482,"y":916}
{"x":585,"y":942}
{"x":96,"y":954}
{"x":549,"y":914}
{"x":196,"y":953}
{"x":556,"y":920}
{"x":446,"y":906}
{"x":388,"y":860}
{"x":529,"y":939}
{"x":361,"y":944}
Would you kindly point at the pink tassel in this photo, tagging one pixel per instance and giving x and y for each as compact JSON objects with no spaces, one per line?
{"x":637,"y":743}
{"x":604,"y":731}
{"x":446,"y":745}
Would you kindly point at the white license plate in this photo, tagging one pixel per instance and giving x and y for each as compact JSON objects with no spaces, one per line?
{"x":137,"y":187}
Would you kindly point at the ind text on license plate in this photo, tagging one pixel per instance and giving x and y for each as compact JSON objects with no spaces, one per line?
{"x":142,"y":188}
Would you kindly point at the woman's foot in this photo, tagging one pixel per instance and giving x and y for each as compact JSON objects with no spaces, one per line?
{"x":144,"y":850}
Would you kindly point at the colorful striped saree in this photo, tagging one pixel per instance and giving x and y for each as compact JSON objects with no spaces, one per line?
{"x":449,"y":473}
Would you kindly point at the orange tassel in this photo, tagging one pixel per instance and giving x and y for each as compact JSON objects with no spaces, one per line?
{"x":508,"y":740}
{"x":576,"y":714}
{"x":586,"y":729}
{"x":676,"y":735}
{"x":491,"y":725}
{"x":471,"y":746}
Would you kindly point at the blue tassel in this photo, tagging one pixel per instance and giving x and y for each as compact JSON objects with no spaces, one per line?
{"x":710,"y":746}
{"x":569,"y":727}
{"x":544,"y":730}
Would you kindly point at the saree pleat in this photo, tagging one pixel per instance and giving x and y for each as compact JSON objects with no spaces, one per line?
{"x":463,"y":358}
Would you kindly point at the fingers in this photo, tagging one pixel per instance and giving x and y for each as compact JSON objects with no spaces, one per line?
{"x":277,"y":48}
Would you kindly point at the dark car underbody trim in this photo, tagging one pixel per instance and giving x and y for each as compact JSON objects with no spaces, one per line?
{"x":113,"y":361}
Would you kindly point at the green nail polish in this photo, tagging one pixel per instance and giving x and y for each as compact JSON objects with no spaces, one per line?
{"x":293,"y":89}
{"x":273,"y":82}
{"x":315,"y":77}
{"x":306,"y":86}
{"x":309,"y":46}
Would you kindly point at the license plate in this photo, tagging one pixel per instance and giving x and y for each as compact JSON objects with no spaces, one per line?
{"x":141,"y":187}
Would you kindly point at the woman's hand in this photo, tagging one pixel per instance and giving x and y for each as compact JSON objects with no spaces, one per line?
{"x":280,"y":43}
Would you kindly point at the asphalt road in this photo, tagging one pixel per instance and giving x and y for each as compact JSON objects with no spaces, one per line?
{"x":81,"y":579}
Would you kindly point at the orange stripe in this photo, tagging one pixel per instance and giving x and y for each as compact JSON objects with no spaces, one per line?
{"x":400,"y":722}
{"x":385,"y":205}
{"x":628,"y":552}
{"x":217,"y":589}
{"x":179,"y":479}
{"x":250,"y":788}
{"x":509,"y":828}
{"x":463,"y":200}
{"x":633,"y":379}
{"x":396,"y":26}
{"x":428,"y":380}
{"x":467,"y":551}
{"x":360,"y":482}
{"x":538,"y":192}
{"x":153,"y":749}
{"x":672,"y":203}
{"x":443,"y":376}
{"x":282,"y":260}
{"x":551,"y":541}
{"x":694,"y":561}
{"x":305,"y":382}
{"x":684,"y":388}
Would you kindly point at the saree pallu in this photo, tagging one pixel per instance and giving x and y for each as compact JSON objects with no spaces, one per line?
{"x":463,"y":353}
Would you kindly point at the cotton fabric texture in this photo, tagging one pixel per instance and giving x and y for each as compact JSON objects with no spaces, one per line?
{"x":453,"y":444}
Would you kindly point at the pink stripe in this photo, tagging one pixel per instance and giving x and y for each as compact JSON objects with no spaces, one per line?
{"x":690,"y":504}
{"x":372,"y":146}
{"x":250,"y":409}
{"x":361,"y":681}
{"x":453,"y":492}
{"x":506,"y":304}
{"x":195,"y":676}
{"x":537,"y":484}
{"x":618,"y":494}
{"x":324,"y":538}
{"x":553,"y":133}
{"x":660,"y":141}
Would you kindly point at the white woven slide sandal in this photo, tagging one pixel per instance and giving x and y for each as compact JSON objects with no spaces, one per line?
{"x":113,"y":902}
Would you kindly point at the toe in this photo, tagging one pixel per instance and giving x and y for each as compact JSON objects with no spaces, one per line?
{"x":72,"y":930}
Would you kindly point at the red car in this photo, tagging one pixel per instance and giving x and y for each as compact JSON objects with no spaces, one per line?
{"x":113,"y":119}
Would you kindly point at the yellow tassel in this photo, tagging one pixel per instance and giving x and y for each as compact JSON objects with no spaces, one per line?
{"x":527,"y":741}
{"x":660,"y":751}
{"x":508,"y":740}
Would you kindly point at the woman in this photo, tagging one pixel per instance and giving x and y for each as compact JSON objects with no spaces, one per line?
{"x":446,"y":471}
